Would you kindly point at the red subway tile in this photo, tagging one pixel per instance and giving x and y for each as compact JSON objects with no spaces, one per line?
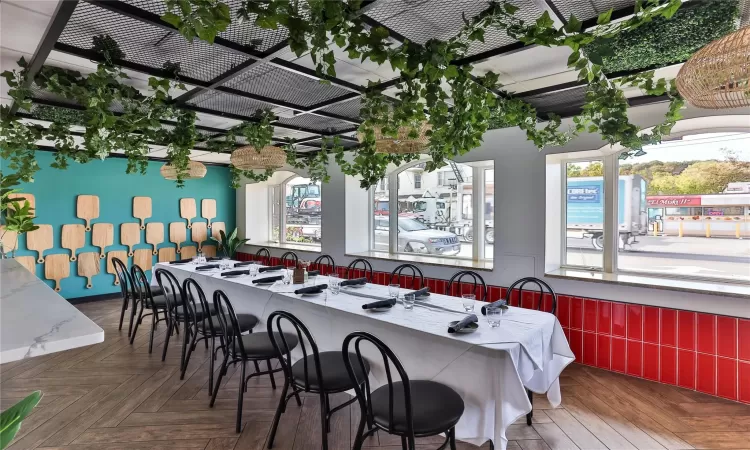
{"x":686,"y":330}
{"x":576,"y":343}
{"x":603,"y":351}
{"x":576,"y":313}
{"x":668,"y":365}
{"x":635,"y":322}
{"x":635,"y":358}
{"x":493,"y":292}
{"x":619,"y":319}
{"x":651,"y":324}
{"x":668,"y":331}
{"x":547,"y":303}
{"x":706,"y":374}
{"x":514,"y":298}
{"x":619,"y":353}
{"x":743,"y":339}
{"x":686,"y":369}
{"x":743,"y":378}
{"x":528,"y":300}
{"x":726,"y":378}
{"x":440,"y":285}
{"x":651,"y":361}
{"x":566,"y":331}
{"x":589,"y":315}
{"x":604,"y":319}
{"x":706,"y":333}
{"x":503,"y":292}
{"x":726,"y":336}
{"x":563,"y":310}
{"x":589,"y":349}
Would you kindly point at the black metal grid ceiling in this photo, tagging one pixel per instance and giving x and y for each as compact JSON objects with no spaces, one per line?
{"x":560,"y":102}
{"x":347,"y":109}
{"x":589,"y":9}
{"x":232,"y":104}
{"x":146,"y":44}
{"x":318,"y":123}
{"x":245,"y":33}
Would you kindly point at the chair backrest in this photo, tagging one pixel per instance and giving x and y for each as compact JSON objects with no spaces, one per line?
{"x":228,"y":323}
{"x":264,"y":254}
{"x":476,"y":280}
{"x":541,"y":285}
{"x":172,"y":291}
{"x":389,"y":358}
{"x":123,"y":276}
{"x":193,"y":290}
{"x":415,"y":272}
{"x":325,"y":259}
{"x":141,"y":285}
{"x":306,"y":343}
{"x":366,"y":267}
{"x":289,"y":257}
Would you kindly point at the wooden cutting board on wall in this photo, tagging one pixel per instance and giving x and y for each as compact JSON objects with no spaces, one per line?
{"x":177,"y":234}
{"x":9,"y":240}
{"x":208,"y":209}
{"x":122,"y":255}
{"x":199,"y":233}
{"x":89,"y":265}
{"x":130,"y":235}
{"x":144,"y":259}
{"x":56,"y":267}
{"x":154,"y":234}
{"x":87,"y":208}
{"x":187,"y":210}
{"x":73,"y":238}
{"x":209,"y":251}
{"x":142,"y":209}
{"x":103,"y":234}
{"x":40,"y":240}
{"x":25,"y":196}
{"x":29,"y":262}
{"x":188,"y":252}
{"x":216,"y":228}
{"x":167,"y":254}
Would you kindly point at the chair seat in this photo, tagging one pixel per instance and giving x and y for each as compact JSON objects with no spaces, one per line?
{"x":333,"y":371}
{"x":246,"y":322}
{"x":159,"y":301}
{"x":180,"y":312}
{"x":436,"y":408}
{"x":259,"y":346}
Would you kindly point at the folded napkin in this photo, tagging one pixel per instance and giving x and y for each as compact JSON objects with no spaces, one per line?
{"x":235,"y":272}
{"x":313,"y":273}
{"x":182,"y":261}
{"x":213,"y":258}
{"x":207,"y":267}
{"x":242,"y":264}
{"x":354,"y":282}
{"x":463,"y":323}
{"x":269,"y":269}
{"x":494,"y":305}
{"x":424,"y":292}
{"x":268,"y":279}
{"x":312,"y":289}
{"x":380,"y":304}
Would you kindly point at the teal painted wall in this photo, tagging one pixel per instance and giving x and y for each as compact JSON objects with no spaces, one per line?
{"x":56,"y":190}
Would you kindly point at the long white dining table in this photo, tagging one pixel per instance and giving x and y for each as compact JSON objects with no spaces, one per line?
{"x":490,"y":368}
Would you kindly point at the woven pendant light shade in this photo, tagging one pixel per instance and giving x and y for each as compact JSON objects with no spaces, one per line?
{"x":195,"y":170}
{"x":718,"y":75}
{"x":402,"y":144}
{"x":249,"y":158}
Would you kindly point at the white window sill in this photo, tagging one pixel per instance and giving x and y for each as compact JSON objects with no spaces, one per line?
{"x":287,"y":246}
{"x":426,"y":260}
{"x":672,"y":284}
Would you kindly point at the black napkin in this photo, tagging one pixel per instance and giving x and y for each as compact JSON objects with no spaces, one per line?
{"x":354,"y":282}
{"x":182,"y":261}
{"x":268,"y":279}
{"x":494,"y":305}
{"x":269,"y":269}
{"x":312,"y":289}
{"x":380,"y":304}
{"x":424,"y":292}
{"x":471,"y":318}
{"x":213,"y":258}
{"x":242,"y":264}
{"x":235,"y":272}
{"x":313,"y":273}
{"x":207,"y":267}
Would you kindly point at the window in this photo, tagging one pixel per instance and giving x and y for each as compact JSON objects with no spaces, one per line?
{"x":301,"y":209}
{"x":584,"y":213}
{"x":417,"y":181}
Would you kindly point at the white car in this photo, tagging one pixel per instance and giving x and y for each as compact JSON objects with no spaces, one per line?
{"x":414,"y":236}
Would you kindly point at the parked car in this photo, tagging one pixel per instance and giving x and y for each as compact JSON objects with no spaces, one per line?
{"x":414,"y":236}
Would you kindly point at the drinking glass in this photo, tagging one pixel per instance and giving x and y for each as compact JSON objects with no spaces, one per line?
{"x":493,"y":316}
{"x":468,"y":302}
{"x":393,"y":290}
{"x":312,"y":279}
{"x":224,"y":264}
{"x":287,"y":277}
{"x":201,"y":258}
{"x":253,"y":270}
{"x":334,"y":284}
{"x":409,"y":301}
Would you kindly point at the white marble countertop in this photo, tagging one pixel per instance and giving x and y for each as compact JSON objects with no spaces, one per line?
{"x":36,"y":320}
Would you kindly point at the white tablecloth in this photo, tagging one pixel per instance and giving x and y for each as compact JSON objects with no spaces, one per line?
{"x":489,"y":368}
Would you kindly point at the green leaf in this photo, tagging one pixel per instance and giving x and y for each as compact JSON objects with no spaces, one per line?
{"x":595,"y":58}
{"x":574,"y":25}
{"x":510,"y":8}
{"x":10,"y":419}
{"x":172,"y":19}
{"x":604,"y":18}
{"x":451,"y":72}
{"x":545,"y":21}
{"x":573,"y":58}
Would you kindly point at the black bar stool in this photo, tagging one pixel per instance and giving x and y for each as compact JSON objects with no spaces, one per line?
{"x":366,"y":267}
{"x":476,"y":280}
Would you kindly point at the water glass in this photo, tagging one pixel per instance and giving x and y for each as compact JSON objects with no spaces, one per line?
{"x":409,"y":301}
{"x":287,"y":277}
{"x":493,"y":316}
{"x":253,"y":270}
{"x":393,"y":290}
{"x":311,"y":280}
{"x":334,"y":284}
{"x":224,"y":264}
{"x":468,"y":302}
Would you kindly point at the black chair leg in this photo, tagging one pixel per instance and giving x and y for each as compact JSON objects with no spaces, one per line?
{"x":452,"y":438}
{"x":211,"y":358}
{"x":132,"y":317}
{"x":122,"y":313}
{"x":323,"y":420}
{"x":273,"y":380}
{"x":359,"y":438}
{"x":222,"y":372}
{"x":531,"y":413}
{"x":135,"y":328}
{"x":328,"y":414}
{"x":279,"y":411}
{"x":492,"y":445}
{"x":186,"y":356}
{"x":170,"y":326}
{"x":154,"y":319}
{"x":403,"y":443}
{"x":240,"y":398}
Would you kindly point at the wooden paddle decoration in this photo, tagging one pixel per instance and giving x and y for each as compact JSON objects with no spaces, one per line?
{"x":27,"y":197}
{"x":73,"y":238}
{"x":87,"y":208}
{"x":216,"y":228}
{"x":29,"y":262}
{"x":102,"y":236}
{"x":9,"y":239}
{"x":144,"y":259}
{"x":89,"y":265}
{"x":199,"y":233}
{"x":167,"y":254}
{"x":177,"y":234}
{"x":56,"y":267}
{"x":209,"y":251}
{"x":142,"y":209}
{"x":40,"y":240}
{"x":154,"y":234}
{"x":130,"y":235}
{"x":208,"y":209}
{"x":187,"y":210}
{"x":188,"y":252}
{"x":122,"y":255}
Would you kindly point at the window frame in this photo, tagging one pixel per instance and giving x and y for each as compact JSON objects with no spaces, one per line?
{"x":283,"y":213}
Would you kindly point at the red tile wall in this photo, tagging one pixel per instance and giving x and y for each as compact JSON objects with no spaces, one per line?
{"x":698,"y":351}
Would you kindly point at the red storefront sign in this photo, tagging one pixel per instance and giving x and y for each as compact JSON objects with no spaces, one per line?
{"x":673,"y":200}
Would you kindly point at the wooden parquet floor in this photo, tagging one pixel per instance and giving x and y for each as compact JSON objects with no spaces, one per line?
{"x":114,"y":396}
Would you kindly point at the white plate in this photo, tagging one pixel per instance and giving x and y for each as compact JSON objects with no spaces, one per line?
{"x":381,"y":309}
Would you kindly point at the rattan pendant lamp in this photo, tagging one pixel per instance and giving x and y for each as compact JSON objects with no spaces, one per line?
{"x":718,"y":75}
{"x":250,"y":158}
{"x":402,"y":144}
{"x":195,"y":170}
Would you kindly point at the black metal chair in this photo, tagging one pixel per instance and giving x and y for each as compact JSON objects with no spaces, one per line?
{"x":125,"y":282}
{"x":242,"y":348}
{"x":322,"y":373}
{"x":324,"y":259}
{"x":366,"y":267}
{"x":289,"y":257}
{"x":263,"y":253}
{"x":146,"y":298}
{"x":541,"y":285}
{"x":416,"y":273}
{"x":476,"y":280}
{"x":406,"y":408}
